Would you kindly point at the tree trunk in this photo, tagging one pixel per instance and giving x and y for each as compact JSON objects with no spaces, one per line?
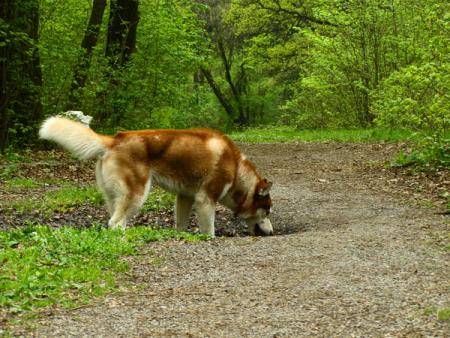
{"x":88,"y":44}
{"x":241,"y":120}
{"x":123,"y":21}
{"x":21,"y":77}
{"x":221,"y":36}
{"x":220,"y":96}
{"x":120,"y":44}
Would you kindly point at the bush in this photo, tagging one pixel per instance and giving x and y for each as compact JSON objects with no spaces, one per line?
{"x":417,"y":97}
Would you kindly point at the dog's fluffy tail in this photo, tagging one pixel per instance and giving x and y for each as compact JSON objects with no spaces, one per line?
{"x":82,"y":141}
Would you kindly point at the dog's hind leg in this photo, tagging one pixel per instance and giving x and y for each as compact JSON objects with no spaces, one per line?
{"x":108,"y":196}
{"x":183,"y":208}
{"x":124,"y":198}
{"x":125,"y":207}
{"x":206,"y":210}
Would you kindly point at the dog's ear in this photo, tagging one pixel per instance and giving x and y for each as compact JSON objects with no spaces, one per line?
{"x":264,"y":188}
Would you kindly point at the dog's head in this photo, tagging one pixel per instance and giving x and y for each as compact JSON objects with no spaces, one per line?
{"x":256,"y":216}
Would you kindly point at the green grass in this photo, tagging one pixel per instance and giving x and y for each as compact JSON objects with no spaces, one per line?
{"x":443,"y":314}
{"x":158,"y":200}
{"x":59,"y":200}
{"x":67,"y":196}
{"x":429,"y":311}
{"x":22,"y":183}
{"x":428,"y":156}
{"x":41,"y":266}
{"x":8,"y":170}
{"x":288,"y":134}
{"x":12,"y":155}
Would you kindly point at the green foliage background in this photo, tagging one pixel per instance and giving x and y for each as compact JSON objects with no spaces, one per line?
{"x":307,"y":64}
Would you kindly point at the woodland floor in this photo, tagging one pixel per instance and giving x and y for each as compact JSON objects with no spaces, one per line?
{"x":359,"y":250}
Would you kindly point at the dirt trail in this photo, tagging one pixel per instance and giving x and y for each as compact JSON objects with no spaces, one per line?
{"x":352,"y":257}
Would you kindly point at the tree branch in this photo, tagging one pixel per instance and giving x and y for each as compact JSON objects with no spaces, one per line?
{"x":301,"y":15}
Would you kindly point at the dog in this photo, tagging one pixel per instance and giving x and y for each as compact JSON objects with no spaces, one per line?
{"x":202,"y":167}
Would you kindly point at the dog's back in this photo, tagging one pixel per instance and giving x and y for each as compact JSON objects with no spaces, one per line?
{"x":189,"y":158}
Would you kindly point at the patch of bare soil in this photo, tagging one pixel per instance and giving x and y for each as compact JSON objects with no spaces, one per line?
{"x":357,"y":252}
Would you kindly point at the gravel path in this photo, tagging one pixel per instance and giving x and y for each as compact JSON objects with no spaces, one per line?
{"x":352,"y":257}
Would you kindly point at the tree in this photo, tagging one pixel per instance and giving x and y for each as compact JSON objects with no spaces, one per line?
{"x":226,"y":46}
{"x":120,"y":44}
{"x":87,"y":45}
{"x":256,"y":43}
{"x":123,"y":22}
{"x":20,"y":71}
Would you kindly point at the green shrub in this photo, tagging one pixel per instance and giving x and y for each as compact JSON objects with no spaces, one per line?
{"x":428,"y":153}
{"x":416,"y":97}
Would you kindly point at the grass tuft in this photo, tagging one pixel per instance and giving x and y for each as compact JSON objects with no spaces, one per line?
{"x":22,"y":183}
{"x":443,"y":314}
{"x":430,"y":156}
{"x":159,"y":200}
{"x":8,"y":171}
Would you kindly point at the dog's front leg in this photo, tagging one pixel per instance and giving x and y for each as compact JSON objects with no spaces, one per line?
{"x":206,"y":210}
{"x":183,"y":208}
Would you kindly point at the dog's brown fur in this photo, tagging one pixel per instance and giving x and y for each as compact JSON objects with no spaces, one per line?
{"x":202,"y":166}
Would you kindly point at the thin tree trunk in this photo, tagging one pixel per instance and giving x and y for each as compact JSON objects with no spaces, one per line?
{"x":198,"y":80}
{"x":242,"y":120}
{"x":88,"y":44}
{"x":218,"y":92}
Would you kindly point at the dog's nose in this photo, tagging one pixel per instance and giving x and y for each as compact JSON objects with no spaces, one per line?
{"x":260,"y":232}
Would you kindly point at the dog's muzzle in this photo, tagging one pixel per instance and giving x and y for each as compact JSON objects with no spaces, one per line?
{"x":263,"y":228}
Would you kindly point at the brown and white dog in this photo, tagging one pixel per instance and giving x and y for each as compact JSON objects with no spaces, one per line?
{"x":201,"y":166}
